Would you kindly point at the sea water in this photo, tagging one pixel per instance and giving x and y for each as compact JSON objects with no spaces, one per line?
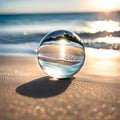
{"x":20,"y":34}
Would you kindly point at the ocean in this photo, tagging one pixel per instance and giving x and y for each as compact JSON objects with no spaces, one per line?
{"x":20,"y":34}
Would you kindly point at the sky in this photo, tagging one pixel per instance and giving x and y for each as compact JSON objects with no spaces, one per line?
{"x":53,"y":6}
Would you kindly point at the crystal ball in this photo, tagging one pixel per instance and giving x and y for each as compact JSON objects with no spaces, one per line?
{"x":61,"y":54}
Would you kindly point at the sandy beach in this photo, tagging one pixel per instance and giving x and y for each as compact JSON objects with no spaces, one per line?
{"x":26,"y":92}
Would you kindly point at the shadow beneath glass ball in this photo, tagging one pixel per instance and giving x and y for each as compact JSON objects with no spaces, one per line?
{"x":44,"y":87}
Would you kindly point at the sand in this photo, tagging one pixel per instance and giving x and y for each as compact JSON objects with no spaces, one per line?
{"x":26,"y":92}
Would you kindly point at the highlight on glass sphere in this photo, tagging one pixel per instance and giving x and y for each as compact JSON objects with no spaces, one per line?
{"x":61,"y":54}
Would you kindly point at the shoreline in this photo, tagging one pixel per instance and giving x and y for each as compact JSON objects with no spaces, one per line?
{"x":98,"y":62}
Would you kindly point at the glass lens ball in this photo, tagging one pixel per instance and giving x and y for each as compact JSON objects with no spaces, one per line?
{"x":61,"y":54}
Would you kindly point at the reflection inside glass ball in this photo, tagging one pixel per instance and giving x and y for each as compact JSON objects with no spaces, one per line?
{"x":61,"y":54}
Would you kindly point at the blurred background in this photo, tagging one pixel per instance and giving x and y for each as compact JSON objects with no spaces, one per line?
{"x":24,"y":22}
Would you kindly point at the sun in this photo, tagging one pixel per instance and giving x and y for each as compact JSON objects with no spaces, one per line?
{"x":107,"y":5}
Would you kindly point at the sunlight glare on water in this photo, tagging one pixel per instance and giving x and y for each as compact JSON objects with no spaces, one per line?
{"x":106,"y":25}
{"x":108,"y":39}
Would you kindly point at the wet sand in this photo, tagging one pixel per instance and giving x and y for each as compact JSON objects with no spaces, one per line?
{"x":26,"y":92}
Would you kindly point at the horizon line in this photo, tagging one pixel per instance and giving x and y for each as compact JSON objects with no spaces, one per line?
{"x":71,"y":12}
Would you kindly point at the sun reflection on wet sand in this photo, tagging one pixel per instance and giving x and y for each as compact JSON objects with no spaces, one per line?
{"x":103,"y":62}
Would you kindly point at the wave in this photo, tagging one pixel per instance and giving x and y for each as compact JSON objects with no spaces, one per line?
{"x":31,"y":37}
{"x":102,"y":39}
{"x":86,"y":35}
{"x":102,"y":45}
